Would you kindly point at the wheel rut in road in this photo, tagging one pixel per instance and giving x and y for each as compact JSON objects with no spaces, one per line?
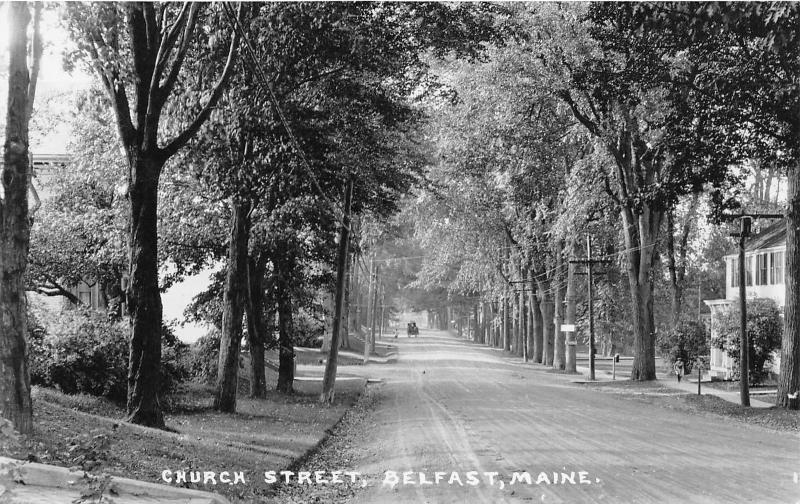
{"x":453,"y":406}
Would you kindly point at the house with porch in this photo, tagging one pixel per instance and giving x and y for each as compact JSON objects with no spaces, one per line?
{"x":44,"y":167}
{"x":765,"y":277}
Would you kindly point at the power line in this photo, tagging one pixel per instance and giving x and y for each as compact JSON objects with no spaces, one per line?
{"x":261,"y":77}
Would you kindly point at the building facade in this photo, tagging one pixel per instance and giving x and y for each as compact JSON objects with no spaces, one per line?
{"x":765,"y":277}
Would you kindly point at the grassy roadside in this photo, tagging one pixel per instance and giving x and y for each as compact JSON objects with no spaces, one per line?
{"x":733,"y":386}
{"x":657,"y":394}
{"x":335,"y":453}
{"x":263,"y":435}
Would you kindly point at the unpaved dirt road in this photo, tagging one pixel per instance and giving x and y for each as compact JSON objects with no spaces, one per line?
{"x":451,"y":406}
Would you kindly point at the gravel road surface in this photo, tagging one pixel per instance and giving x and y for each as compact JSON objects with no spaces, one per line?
{"x":450,"y":406}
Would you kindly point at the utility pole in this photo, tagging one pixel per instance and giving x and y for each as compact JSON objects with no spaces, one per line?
{"x":383,"y":307}
{"x":341,"y":274}
{"x":374,"y":310}
{"x":745,"y":227}
{"x":589,"y":262}
{"x":370,"y":277}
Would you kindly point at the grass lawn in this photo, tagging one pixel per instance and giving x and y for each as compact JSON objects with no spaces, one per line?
{"x":733,"y":386}
{"x":656,"y":393}
{"x":265,"y":434}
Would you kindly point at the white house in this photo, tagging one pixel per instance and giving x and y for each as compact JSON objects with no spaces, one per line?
{"x":765,"y":274}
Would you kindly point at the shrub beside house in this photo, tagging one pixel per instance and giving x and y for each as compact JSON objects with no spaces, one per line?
{"x":765,"y":278}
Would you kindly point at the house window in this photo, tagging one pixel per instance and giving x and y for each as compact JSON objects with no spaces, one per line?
{"x":761,"y":269}
{"x":776,"y":268}
{"x":748,"y":270}
{"x":734,"y":272}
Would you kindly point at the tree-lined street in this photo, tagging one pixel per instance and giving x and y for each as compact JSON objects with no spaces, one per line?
{"x":537,"y":187}
{"x":449,"y":405}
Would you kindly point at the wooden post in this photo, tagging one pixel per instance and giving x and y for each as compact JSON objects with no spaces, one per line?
{"x":744,"y":385}
{"x":699,"y":376}
{"x":745,"y":221}
{"x":591,"y":305}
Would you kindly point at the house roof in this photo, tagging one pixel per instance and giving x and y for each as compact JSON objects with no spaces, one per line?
{"x":773,"y":235}
{"x":770,"y":236}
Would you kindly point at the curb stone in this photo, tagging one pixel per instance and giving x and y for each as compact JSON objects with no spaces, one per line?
{"x":57,"y":479}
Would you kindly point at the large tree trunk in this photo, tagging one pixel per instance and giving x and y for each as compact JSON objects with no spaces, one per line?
{"x":789,"y":378}
{"x":523,"y":327}
{"x":559,"y":350}
{"x":15,"y":386}
{"x":676,"y":259}
{"x":234,"y":298}
{"x":485,"y":322}
{"x":285,"y":335}
{"x":532,"y":309}
{"x":258,"y":379}
{"x":519,"y":322}
{"x":256,"y":328}
{"x":641,"y":232}
{"x":143,"y":296}
{"x":345,"y":330}
{"x":547,"y":308}
{"x":514,"y":313}
{"x":506,"y":323}
{"x":339,"y":313}
{"x":677,"y":284}
{"x":355,"y":293}
{"x":374,"y":312}
{"x":139,"y":131}
{"x":370,"y":308}
{"x":476,"y":325}
{"x":538,"y":329}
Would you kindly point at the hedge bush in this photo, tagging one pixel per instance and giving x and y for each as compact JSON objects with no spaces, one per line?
{"x":82,"y":351}
{"x":688,"y":342}
{"x":764,"y":332}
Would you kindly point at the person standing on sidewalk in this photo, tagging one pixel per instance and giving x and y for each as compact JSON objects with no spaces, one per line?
{"x":678,"y":368}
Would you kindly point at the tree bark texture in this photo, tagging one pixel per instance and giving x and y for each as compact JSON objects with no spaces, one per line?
{"x":256,"y":329}
{"x":533,"y":309}
{"x":285,"y":334}
{"x":547,"y":308}
{"x":514,"y":314}
{"x":355,"y":294}
{"x":15,"y":387}
{"x":789,"y":378}
{"x":375,"y":309}
{"x":339,"y":313}
{"x":641,"y":233}
{"x":676,"y":259}
{"x":506,"y":323}
{"x":476,"y":325}
{"x":559,"y":350}
{"x":635,"y":172}
{"x":345,"y":330}
{"x":153,"y":77}
{"x":570,"y":365}
{"x":233,"y":305}
{"x":538,"y":330}
{"x":143,"y":296}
